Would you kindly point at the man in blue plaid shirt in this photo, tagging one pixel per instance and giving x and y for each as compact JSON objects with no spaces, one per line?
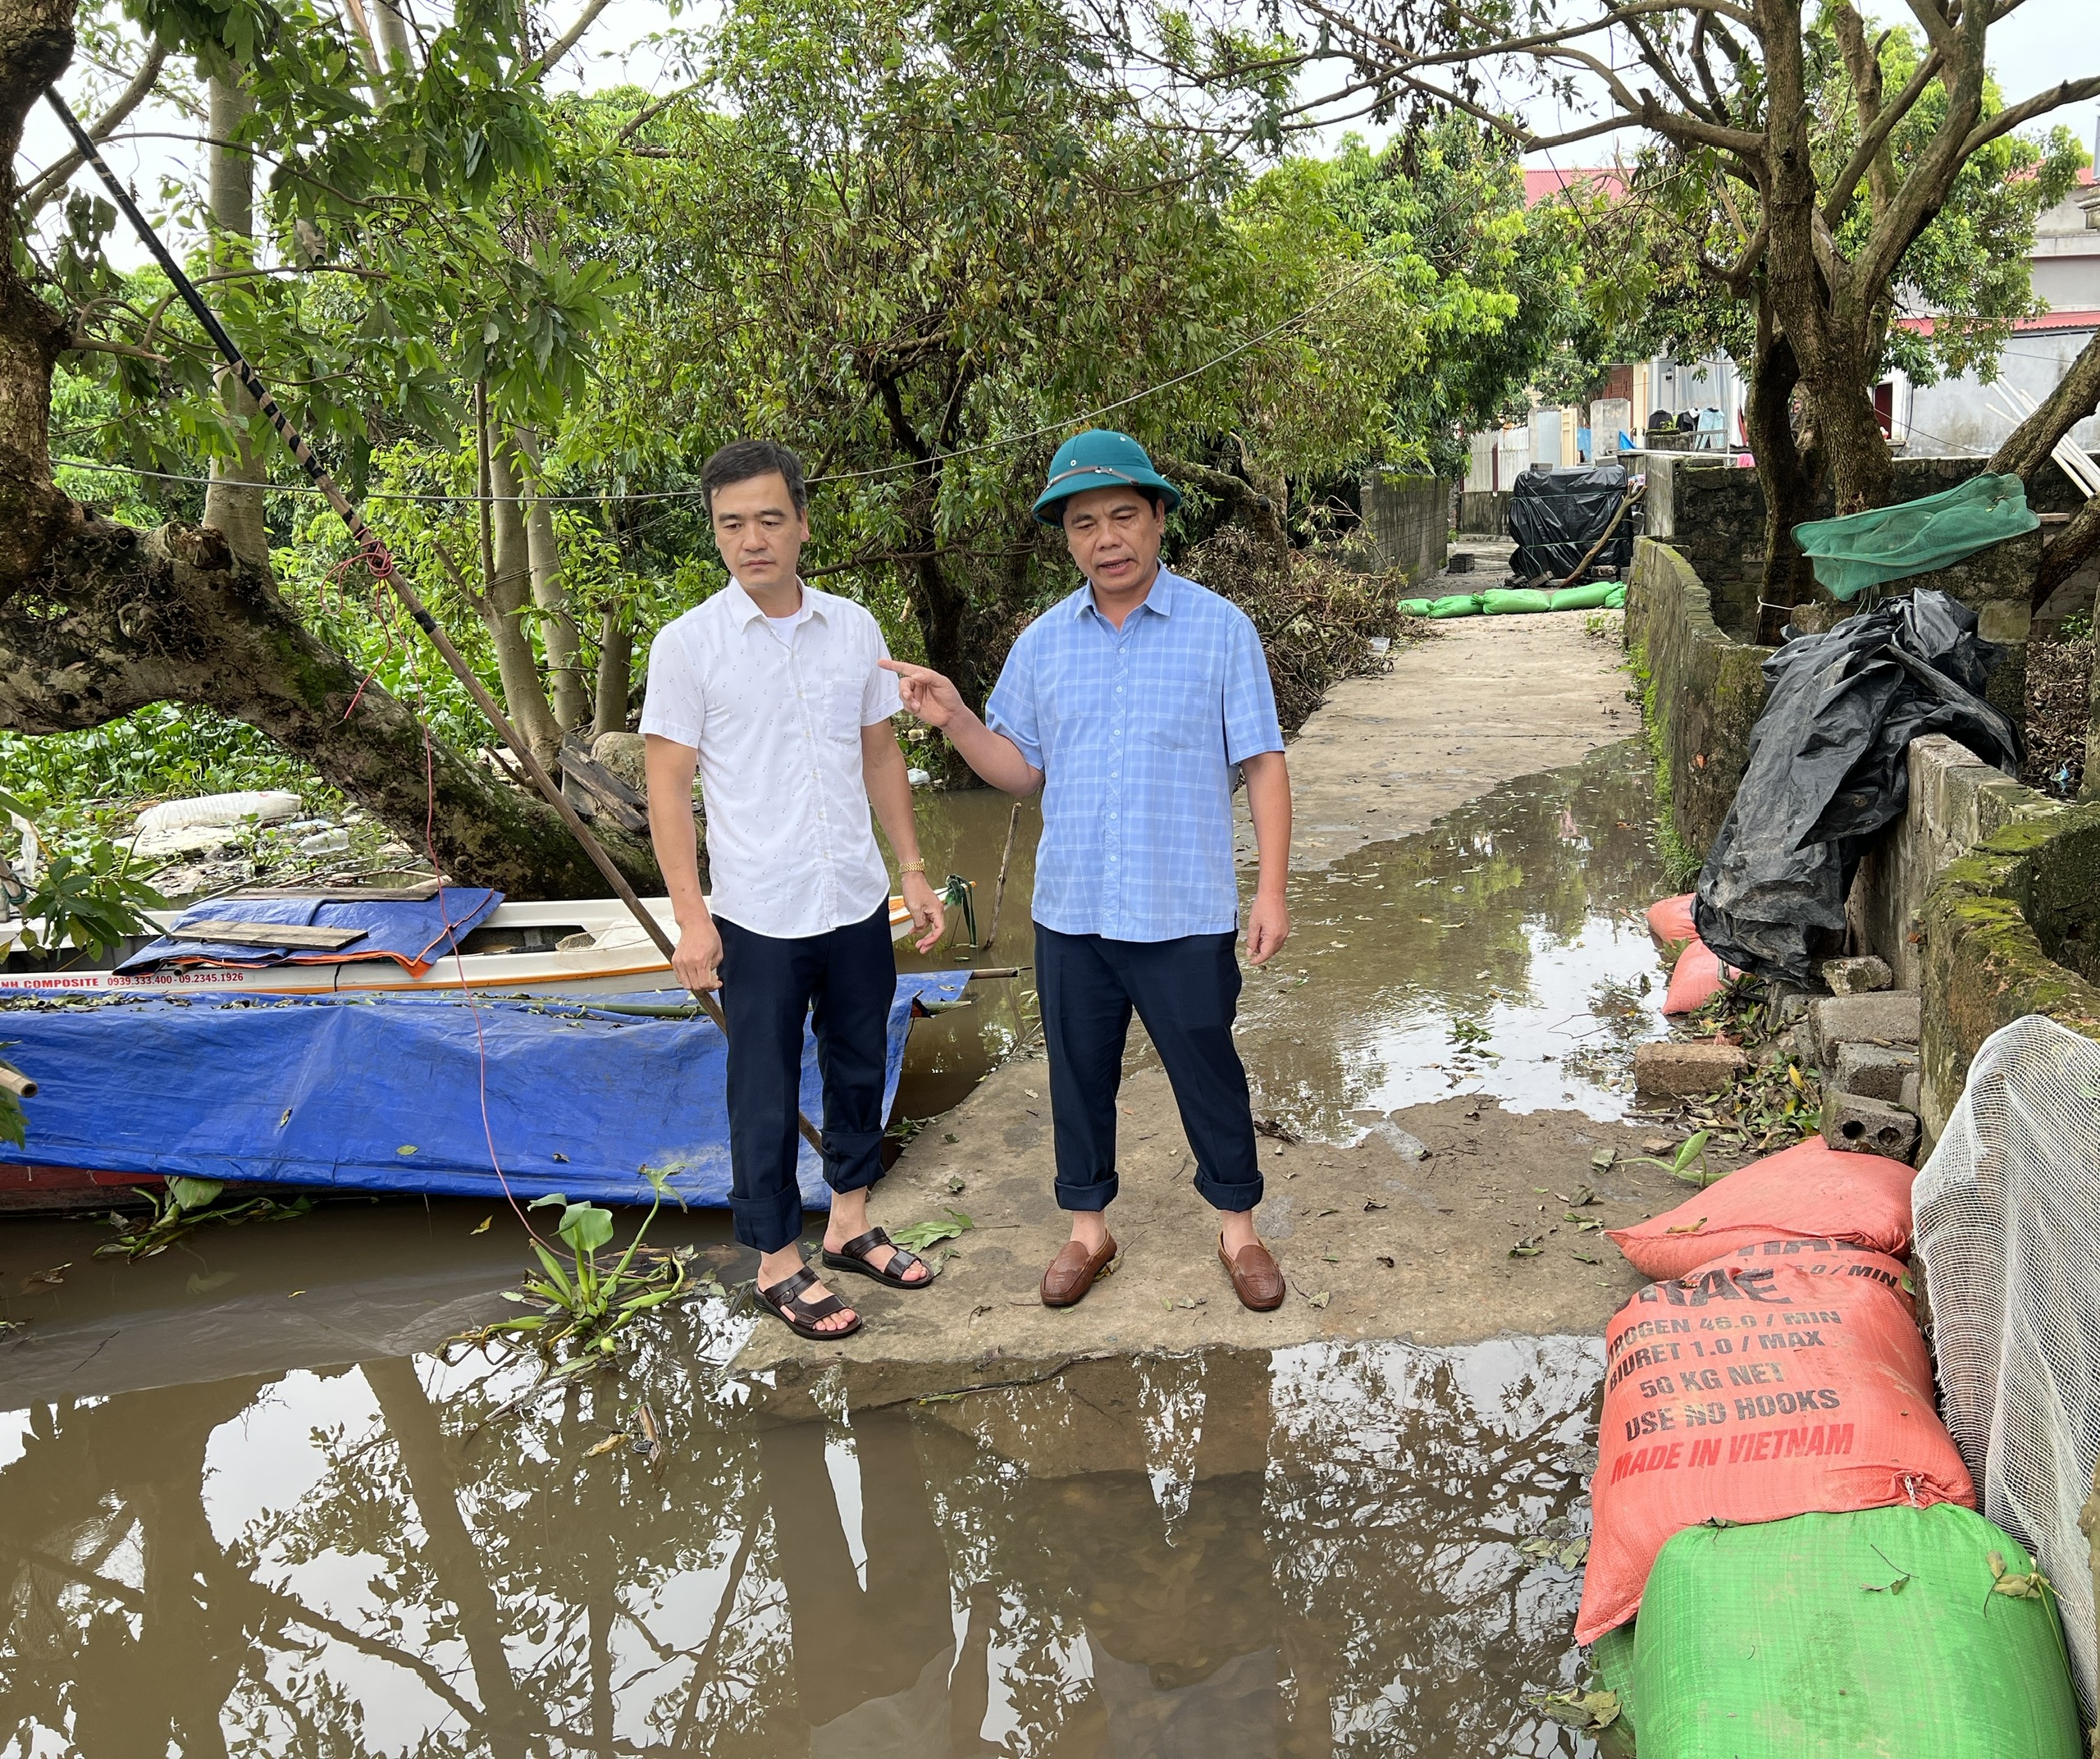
{"x":1131,"y":704}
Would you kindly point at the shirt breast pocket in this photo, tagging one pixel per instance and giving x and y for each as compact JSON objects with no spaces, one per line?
{"x":1186,"y":716}
{"x":840,"y":690}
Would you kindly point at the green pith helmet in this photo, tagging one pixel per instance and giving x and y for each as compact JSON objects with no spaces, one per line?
{"x":1099,"y":459}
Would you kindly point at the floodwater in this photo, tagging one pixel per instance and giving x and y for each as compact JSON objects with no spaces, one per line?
{"x":1227,"y":1556}
{"x":1501,"y":952}
{"x":248,"y":1506}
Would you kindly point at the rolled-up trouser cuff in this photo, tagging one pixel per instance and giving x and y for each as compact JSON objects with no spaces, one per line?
{"x":852,"y":1160}
{"x":770,"y":1222}
{"x":1233,"y":1196}
{"x":1097,"y":1195}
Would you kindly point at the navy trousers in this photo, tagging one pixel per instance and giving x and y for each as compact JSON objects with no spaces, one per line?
{"x":1186,"y":992}
{"x":843,"y":983}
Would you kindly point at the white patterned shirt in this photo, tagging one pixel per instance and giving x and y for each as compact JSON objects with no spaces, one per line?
{"x":791,"y":847}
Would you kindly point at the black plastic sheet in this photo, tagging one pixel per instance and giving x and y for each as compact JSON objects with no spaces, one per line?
{"x":1826,"y":774}
{"x":1555,"y":515}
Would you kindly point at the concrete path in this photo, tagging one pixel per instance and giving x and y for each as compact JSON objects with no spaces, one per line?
{"x":1372,"y":1245}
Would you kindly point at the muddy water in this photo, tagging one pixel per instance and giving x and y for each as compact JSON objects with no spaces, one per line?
{"x":244,"y":1510}
{"x":1310,"y":1552}
{"x":1499,"y":953}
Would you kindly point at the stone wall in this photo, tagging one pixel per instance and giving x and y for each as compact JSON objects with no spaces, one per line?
{"x":2000,"y":927}
{"x":1714,"y":514}
{"x":1703,"y":691}
{"x":1484,"y":513}
{"x":1409,"y":519}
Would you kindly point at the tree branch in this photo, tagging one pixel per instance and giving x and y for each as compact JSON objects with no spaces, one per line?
{"x":2070,"y":92}
{"x":567,"y":41}
{"x":58,"y":174}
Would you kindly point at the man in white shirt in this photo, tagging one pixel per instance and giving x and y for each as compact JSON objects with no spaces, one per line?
{"x":774,"y":692}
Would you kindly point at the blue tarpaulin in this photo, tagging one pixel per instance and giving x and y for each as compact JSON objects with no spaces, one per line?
{"x":386,"y":1093}
{"x":413,"y":933}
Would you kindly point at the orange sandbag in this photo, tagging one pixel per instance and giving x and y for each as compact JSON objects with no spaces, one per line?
{"x":1786,"y":1378}
{"x":1670,"y":921}
{"x":1696,"y":980}
{"x":1810,"y":1191}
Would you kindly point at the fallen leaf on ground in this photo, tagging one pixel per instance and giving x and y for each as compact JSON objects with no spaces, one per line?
{"x":406,"y":1148}
{"x":1321,"y":1299}
{"x":1603,"y":1158}
{"x":955,"y":1187}
{"x":1332,"y":1258}
{"x":1690,"y":1227}
{"x":487,"y":1221}
{"x":1584,"y":1258}
{"x":1655,"y":1144}
{"x":1031,"y":1093}
{"x":1368,"y":1208}
{"x":1528,"y":1247}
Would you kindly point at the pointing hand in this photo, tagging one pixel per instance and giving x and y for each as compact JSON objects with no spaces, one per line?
{"x":926,"y":693}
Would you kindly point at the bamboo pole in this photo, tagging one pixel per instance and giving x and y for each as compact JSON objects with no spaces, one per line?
{"x":380,"y":559}
{"x":999,"y":897}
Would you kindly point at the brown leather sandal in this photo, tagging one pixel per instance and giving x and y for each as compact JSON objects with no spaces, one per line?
{"x":853,"y":1256}
{"x":784,"y":1302}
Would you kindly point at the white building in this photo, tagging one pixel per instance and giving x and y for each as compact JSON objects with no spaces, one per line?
{"x":1955,"y":415}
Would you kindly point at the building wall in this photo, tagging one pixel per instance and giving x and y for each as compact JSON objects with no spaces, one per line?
{"x":1955,"y":416}
{"x":1409,"y":517}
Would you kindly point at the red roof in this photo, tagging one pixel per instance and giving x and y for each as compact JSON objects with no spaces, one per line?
{"x":1543,"y":185}
{"x":2067,"y":318}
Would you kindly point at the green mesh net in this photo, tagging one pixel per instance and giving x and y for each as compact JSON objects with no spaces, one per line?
{"x":1870,"y":549}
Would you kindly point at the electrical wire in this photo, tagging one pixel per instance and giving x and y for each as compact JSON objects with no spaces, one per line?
{"x":982,"y":446}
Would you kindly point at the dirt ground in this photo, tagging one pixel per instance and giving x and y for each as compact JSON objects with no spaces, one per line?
{"x":1373,"y":1245}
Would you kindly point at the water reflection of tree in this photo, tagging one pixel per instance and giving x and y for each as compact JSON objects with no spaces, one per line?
{"x":1338,"y":1569}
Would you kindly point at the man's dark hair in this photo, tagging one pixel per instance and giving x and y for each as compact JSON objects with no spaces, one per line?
{"x":742,"y":459}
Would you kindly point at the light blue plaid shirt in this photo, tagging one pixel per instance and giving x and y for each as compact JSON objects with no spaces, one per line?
{"x":1136,"y":733}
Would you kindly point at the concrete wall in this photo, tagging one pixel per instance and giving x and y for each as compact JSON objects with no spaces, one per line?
{"x":1409,"y":519}
{"x":1703,"y":691}
{"x":1954,"y":417}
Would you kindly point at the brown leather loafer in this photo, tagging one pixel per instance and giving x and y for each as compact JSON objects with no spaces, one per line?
{"x":1074,"y":1270}
{"x":1255,"y":1277}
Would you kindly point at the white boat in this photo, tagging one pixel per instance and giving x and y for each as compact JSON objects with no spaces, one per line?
{"x":568,"y":947}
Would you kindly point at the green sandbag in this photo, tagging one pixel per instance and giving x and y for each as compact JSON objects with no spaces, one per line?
{"x":1883,"y":544}
{"x":1841,"y":1636}
{"x":1589,"y":596}
{"x":1615,"y":599}
{"x":1416,"y":607}
{"x":1510,"y":601}
{"x":1459,"y":605}
{"x":1611,"y":1670}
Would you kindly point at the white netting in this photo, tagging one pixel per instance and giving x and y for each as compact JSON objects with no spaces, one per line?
{"x":2008,"y":1233}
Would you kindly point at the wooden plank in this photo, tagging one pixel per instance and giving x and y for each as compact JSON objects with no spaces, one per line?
{"x":234,"y":934}
{"x":595,"y":791}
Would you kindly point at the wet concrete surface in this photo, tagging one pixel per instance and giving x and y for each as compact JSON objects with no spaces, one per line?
{"x":247,"y":1506}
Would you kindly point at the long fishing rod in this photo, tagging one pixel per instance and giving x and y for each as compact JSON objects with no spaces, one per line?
{"x":372,"y":550}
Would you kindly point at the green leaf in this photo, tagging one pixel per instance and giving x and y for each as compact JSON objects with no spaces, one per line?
{"x":193,"y":1194}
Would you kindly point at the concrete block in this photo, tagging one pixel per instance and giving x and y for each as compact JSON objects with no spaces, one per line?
{"x":1857,"y":976}
{"x":1869,"y":1127}
{"x":1890,"y":1016}
{"x":1873,"y":1073}
{"x":1676,"y":1069}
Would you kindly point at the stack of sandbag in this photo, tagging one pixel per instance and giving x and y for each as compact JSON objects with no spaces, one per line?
{"x":1778,"y":1499}
{"x":1696,"y":975}
{"x":1506,"y":602}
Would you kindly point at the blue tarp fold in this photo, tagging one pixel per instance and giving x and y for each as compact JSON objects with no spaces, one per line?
{"x":385,"y":1092}
{"x":412,"y":932}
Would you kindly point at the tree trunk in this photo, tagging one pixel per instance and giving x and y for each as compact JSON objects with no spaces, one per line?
{"x":230,"y":503}
{"x":558,"y":634}
{"x":506,"y":594}
{"x":116,"y":619}
{"x":1788,"y":477}
{"x":615,"y":671}
{"x":393,"y":33}
{"x":2068,"y":551}
{"x":36,"y":41}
